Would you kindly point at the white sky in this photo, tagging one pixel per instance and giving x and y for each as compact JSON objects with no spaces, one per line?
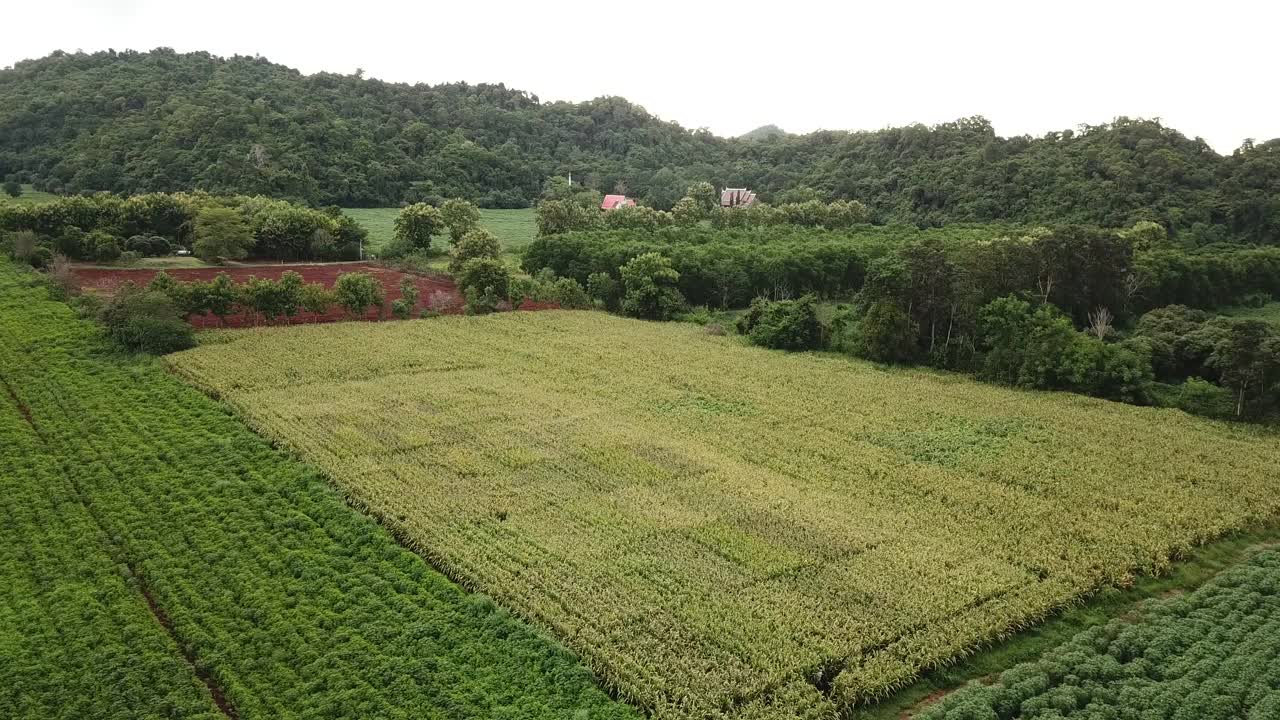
{"x":1206,"y":68}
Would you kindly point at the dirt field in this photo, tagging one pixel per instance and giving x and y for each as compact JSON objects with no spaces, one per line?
{"x":443,"y":289}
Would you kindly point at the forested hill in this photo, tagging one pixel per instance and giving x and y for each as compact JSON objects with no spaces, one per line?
{"x":132,"y":122}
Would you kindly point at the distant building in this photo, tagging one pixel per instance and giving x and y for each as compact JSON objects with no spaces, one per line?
{"x":737,"y":197}
{"x":613,"y":202}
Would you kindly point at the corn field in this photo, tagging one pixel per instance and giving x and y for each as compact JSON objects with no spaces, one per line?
{"x":726,"y":531}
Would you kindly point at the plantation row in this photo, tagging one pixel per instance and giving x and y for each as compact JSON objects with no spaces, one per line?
{"x":728,"y":532}
{"x":293,"y":605}
{"x":76,"y":637}
{"x":1213,"y":655}
{"x":1076,"y":268}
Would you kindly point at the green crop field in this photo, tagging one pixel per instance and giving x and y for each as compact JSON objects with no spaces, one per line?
{"x":160,"y":560}
{"x":1212,"y":654}
{"x":726,"y":531}
{"x":514,"y":228}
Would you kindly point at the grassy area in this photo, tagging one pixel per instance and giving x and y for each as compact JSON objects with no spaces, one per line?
{"x":1269,"y":312}
{"x":721,"y":529}
{"x":158,"y":558}
{"x":29,"y":196}
{"x":515,"y":228}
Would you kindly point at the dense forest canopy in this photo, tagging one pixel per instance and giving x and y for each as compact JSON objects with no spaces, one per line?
{"x":131,"y":122}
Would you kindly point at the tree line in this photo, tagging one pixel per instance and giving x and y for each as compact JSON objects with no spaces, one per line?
{"x":106,"y":228}
{"x":1073,"y":308}
{"x":70,"y":123}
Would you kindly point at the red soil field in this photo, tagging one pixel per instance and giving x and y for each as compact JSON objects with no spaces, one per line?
{"x":107,"y":280}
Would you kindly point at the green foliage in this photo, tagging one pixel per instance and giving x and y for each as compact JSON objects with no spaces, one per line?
{"x":783,"y":324}
{"x":409,"y":291}
{"x":561,"y":216}
{"x":604,"y":290}
{"x":650,"y":289}
{"x":637,"y":217}
{"x":460,"y":217}
{"x":478,"y":243}
{"x":146,"y":320}
{"x":704,"y":196}
{"x":221,"y":233}
{"x":885,"y":333}
{"x":315,"y":298}
{"x":356,"y":292}
{"x":1207,"y":655}
{"x":13,"y":188}
{"x":416,"y":224}
{"x":401,"y":309}
{"x":478,"y":301}
{"x":122,"y":486}
{"x":483,"y":275}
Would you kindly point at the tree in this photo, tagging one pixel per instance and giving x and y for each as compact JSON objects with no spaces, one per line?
{"x":461,"y":217}
{"x":484,"y":275}
{"x":416,"y":224}
{"x":885,"y":334}
{"x":686,"y":212}
{"x":479,"y":243}
{"x":356,"y":292}
{"x":221,"y":234}
{"x":12,"y":188}
{"x":561,"y":216}
{"x":603,"y":290}
{"x":649,"y":288}
{"x":1248,"y":359}
{"x":704,"y":196}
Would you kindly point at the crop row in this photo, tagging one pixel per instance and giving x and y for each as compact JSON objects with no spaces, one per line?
{"x":292,"y":604}
{"x":1212,"y":654}
{"x":723,"y":531}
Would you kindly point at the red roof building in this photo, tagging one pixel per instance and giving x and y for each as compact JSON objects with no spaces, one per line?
{"x":613,"y":202}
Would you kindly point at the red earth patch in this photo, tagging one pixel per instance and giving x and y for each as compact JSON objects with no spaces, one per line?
{"x":439,"y":290}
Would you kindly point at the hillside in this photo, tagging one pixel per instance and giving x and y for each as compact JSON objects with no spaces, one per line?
{"x":131,"y":122}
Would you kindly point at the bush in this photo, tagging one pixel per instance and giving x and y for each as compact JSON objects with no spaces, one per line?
{"x":22,"y":245}
{"x":484,"y":274}
{"x":1198,"y":397}
{"x":221,"y":233}
{"x":357,"y":292}
{"x":415,"y":225}
{"x":481,"y":302}
{"x":401,"y":309}
{"x":783,"y":324}
{"x":461,"y":217}
{"x":103,"y":246}
{"x":146,"y":320}
{"x":603,"y":290}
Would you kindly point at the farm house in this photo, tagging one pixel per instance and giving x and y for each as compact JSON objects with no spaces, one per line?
{"x":613,"y":202}
{"x":737,"y":197}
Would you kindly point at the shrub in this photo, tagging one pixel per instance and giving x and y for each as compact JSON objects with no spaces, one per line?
{"x":146,"y":320}
{"x":103,"y":246}
{"x":481,"y":274}
{"x":783,"y":324}
{"x":22,"y":245}
{"x":357,"y":292}
{"x":401,"y":309}
{"x":481,"y":302}
{"x":315,"y":298}
{"x":409,"y":292}
{"x":570,"y":294}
